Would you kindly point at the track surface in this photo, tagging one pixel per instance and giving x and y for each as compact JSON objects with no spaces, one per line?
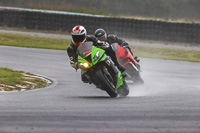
{"x":169,"y":101}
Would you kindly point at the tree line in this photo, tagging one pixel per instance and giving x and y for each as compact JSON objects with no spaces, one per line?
{"x":189,"y":9}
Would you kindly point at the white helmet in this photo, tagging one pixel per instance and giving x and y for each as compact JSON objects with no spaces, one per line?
{"x":79,"y":35}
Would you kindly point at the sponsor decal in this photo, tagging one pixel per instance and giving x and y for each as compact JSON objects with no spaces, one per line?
{"x":86,"y":52}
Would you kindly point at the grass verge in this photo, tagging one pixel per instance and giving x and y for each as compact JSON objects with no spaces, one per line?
{"x":168,"y":54}
{"x":20,"y":40}
{"x":11,"y":80}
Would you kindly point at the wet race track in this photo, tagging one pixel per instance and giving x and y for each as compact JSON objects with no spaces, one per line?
{"x":169,"y":101}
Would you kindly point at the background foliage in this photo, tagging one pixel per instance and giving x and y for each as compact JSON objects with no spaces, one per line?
{"x":178,"y":9}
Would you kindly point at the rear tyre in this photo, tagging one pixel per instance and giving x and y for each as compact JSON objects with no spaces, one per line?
{"x":135,"y":75}
{"x":106,"y":83}
{"x":123,"y":90}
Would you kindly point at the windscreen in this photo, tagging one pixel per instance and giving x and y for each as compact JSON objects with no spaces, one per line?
{"x":84,"y":49}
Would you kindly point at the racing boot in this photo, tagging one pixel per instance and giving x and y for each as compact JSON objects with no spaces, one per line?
{"x":122,"y":69}
{"x":137,"y":59}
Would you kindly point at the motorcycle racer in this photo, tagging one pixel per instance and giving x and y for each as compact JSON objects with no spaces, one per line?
{"x":101,"y":35}
{"x":79,"y":36}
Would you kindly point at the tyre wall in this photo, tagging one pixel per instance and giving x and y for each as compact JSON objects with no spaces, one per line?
{"x":130,"y":28}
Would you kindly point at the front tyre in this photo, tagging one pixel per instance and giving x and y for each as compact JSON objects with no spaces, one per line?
{"x":106,"y":83}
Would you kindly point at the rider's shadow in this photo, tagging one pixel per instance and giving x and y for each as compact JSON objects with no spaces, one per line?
{"x":99,"y":97}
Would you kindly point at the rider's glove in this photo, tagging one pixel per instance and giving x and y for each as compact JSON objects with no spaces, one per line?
{"x":125,"y":44}
{"x":103,"y":44}
{"x":74,"y":64}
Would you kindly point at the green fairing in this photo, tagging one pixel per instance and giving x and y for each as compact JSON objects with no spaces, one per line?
{"x":104,"y":57}
{"x":93,"y":53}
{"x":119,"y":80}
{"x":82,"y":60}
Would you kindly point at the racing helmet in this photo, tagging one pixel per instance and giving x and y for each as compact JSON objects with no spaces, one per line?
{"x":100,"y":34}
{"x":79,"y":35}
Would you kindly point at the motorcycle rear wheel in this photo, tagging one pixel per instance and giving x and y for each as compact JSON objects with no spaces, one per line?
{"x":123,"y":90}
{"x":135,"y":75}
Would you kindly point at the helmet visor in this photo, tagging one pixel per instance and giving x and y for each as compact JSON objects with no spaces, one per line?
{"x":78,"y":38}
{"x":102,"y":38}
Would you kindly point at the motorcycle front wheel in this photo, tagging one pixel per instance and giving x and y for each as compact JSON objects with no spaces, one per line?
{"x":106,"y":83}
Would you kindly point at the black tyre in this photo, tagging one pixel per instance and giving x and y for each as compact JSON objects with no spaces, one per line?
{"x":106,"y":84}
{"x":135,"y":75}
{"x":123,"y":90}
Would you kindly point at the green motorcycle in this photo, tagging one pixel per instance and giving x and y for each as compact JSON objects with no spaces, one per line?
{"x":100,"y":70}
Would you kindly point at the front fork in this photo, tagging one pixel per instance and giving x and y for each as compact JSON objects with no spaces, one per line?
{"x":117,"y":76}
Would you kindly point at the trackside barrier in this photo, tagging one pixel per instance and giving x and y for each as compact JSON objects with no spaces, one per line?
{"x":130,"y":28}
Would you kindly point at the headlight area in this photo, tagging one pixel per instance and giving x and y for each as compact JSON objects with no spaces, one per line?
{"x":85,"y":65}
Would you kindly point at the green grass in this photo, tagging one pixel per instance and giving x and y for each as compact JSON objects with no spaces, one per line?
{"x":32,"y":41}
{"x":70,"y":8}
{"x":61,"y":44}
{"x":168,"y":54}
{"x":10,"y":77}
